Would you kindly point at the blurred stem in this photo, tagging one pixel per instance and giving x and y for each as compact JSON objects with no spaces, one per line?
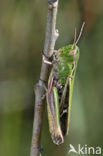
{"x":50,"y":39}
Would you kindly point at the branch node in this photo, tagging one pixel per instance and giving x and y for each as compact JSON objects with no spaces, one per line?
{"x":40,"y":87}
{"x":52,"y":5}
{"x":56,"y":34}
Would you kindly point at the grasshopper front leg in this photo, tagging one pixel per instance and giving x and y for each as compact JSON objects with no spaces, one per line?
{"x":46,"y":59}
{"x":49,"y":60}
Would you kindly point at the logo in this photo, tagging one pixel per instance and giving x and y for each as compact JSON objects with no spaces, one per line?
{"x":85,"y":150}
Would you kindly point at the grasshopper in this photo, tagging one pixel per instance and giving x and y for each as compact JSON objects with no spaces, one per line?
{"x":60,"y":89}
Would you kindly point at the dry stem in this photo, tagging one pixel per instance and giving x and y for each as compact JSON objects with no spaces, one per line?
{"x":50,"y":39}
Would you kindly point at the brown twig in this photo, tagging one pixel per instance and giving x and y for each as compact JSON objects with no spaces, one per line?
{"x":50,"y":39}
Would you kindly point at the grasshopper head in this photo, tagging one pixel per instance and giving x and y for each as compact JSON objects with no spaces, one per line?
{"x":73,"y":50}
{"x":69,"y":52}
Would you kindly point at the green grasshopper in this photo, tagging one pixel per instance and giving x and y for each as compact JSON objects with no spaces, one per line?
{"x":60,"y":89}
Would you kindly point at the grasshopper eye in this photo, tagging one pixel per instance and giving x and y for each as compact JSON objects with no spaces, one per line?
{"x":71,"y":52}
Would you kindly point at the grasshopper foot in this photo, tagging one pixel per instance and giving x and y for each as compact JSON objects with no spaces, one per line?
{"x":46,"y":59}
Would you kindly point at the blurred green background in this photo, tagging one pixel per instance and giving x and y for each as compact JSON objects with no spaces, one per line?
{"x":22,"y":34}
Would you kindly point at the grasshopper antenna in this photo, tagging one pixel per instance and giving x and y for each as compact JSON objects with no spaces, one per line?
{"x":75,"y":35}
{"x":80,"y":33}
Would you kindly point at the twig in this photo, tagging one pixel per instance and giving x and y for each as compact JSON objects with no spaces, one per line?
{"x":50,"y":39}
